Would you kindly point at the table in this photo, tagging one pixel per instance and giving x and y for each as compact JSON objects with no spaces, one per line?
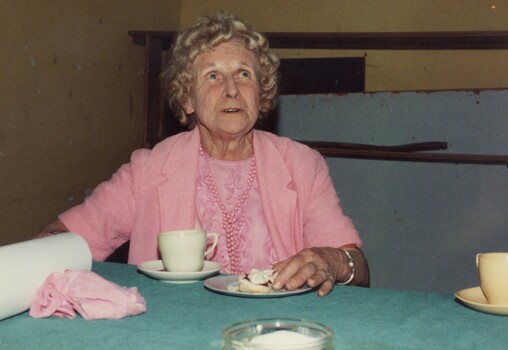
{"x":188,"y":316}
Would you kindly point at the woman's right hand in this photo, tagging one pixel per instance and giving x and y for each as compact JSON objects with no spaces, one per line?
{"x":54,"y":228}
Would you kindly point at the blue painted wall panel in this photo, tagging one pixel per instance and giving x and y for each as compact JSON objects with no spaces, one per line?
{"x":422,"y":223}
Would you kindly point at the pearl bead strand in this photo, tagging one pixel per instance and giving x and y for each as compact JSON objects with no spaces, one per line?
{"x":233,"y":221}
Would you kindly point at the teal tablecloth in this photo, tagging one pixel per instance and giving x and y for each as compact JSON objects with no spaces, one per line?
{"x":188,"y":316}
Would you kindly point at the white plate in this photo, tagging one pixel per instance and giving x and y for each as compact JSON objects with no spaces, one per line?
{"x":474,"y":298}
{"x":155,"y":269}
{"x":221,"y":283}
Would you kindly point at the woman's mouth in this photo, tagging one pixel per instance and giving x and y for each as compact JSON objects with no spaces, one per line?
{"x":231,"y":110}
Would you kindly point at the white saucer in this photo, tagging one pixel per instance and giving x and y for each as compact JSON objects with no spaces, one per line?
{"x":474,"y":298}
{"x":155,"y":269}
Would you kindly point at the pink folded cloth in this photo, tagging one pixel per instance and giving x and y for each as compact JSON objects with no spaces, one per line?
{"x":92,"y":296}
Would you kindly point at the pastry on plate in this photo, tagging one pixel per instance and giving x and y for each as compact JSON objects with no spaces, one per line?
{"x":256,"y":281}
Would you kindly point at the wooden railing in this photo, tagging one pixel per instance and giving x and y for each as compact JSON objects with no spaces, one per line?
{"x":485,"y":40}
{"x":408,"y":152}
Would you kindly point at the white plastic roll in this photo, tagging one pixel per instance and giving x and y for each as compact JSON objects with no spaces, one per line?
{"x":24,"y":266}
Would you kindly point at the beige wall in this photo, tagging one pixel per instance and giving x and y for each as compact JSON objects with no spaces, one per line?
{"x":386,"y":70}
{"x":71,"y":97}
{"x":71,"y":101}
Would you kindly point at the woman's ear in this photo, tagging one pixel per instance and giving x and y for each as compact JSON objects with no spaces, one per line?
{"x":188,"y":107}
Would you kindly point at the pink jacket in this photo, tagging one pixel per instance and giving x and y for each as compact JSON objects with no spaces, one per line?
{"x":155,"y":192}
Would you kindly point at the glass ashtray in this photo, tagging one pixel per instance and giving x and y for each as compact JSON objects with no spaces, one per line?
{"x":277,"y":334}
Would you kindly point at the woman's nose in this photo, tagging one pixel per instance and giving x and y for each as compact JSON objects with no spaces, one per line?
{"x":231,"y":87}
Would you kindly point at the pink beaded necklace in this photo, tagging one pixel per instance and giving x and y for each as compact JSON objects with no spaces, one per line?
{"x":232,"y":221}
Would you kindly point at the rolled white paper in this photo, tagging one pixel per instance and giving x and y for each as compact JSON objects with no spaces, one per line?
{"x":24,"y":266}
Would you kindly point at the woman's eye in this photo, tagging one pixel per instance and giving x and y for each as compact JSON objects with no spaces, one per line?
{"x":244,"y":74}
{"x":212,"y":76}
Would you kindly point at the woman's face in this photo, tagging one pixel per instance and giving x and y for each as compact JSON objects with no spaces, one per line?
{"x":225,"y":92}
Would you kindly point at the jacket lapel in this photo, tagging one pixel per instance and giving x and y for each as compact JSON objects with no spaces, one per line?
{"x":180,"y":172}
{"x":278,"y":199}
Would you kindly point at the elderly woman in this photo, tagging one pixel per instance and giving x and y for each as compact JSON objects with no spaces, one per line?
{"x":270,"y":199}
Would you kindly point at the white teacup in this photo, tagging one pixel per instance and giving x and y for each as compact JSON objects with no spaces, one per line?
{"x":493,"y":274}
{"x":184,"y":250}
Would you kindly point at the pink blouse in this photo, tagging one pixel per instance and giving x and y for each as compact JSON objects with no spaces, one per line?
{"x":230,"y":177}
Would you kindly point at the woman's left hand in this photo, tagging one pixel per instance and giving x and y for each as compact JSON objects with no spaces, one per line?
{"x":320,"y":268}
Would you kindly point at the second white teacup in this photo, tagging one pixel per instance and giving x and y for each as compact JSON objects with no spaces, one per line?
{"x":493,"y":274}
{"x":184,"y":250}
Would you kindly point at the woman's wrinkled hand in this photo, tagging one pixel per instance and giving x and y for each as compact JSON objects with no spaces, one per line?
{"x":316,"y":267}
{"x":321,"y":268}
{"x":53,"y":228}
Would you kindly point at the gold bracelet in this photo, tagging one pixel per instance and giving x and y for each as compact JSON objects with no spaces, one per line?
{"x":351,"y":265}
